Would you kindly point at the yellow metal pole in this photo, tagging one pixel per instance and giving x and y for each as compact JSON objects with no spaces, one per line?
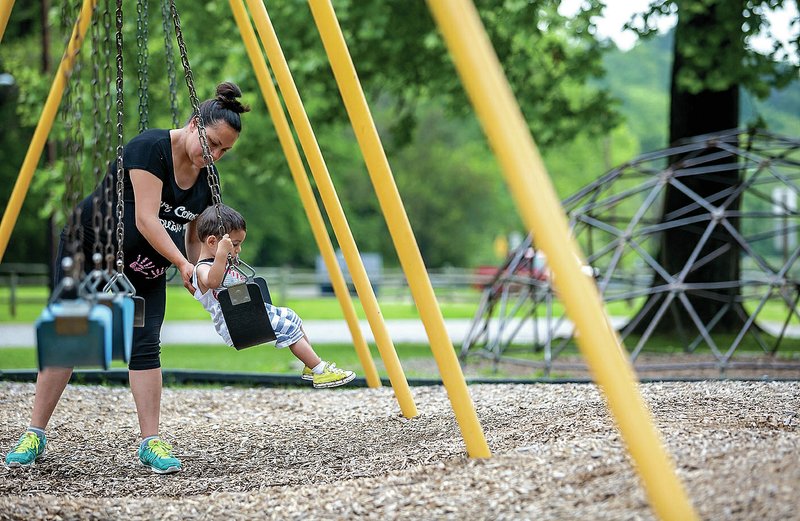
{"x":5,"y":13}
{"x":399,"y":227}
{"x":304,"y":188}
{"x":536,"y":201}
{"x":333,"y":207}
{"x":43,"y":127}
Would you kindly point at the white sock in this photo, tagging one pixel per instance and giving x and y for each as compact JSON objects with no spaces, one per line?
{"x":144,"y":441}
{"x":319,"y":368}
{"x":37,"y":431}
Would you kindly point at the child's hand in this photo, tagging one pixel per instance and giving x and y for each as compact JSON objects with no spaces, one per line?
{"x":225,"y":246}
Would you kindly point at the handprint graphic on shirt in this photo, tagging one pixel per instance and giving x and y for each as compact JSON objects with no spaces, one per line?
{"x":146,"y":267}
{"x":142,"y":265}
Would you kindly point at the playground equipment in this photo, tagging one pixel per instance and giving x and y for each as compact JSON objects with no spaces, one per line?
{"x":620,"y":222}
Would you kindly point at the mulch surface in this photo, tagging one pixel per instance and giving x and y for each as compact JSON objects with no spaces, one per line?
{"x":348,"y":453}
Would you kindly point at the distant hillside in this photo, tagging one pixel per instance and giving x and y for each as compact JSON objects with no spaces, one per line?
{"x":640,"y":78}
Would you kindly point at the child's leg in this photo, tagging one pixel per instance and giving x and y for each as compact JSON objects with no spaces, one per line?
{"x":302,"y":349}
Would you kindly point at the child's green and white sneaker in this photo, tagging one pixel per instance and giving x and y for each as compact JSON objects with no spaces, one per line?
{"x":28,"y":449}
{"x":332,"y":376}
{"x":157,"y":455}
{"x":307,"y":374}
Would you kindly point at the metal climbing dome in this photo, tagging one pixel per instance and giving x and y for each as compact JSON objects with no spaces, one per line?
{"x":625,"y":223}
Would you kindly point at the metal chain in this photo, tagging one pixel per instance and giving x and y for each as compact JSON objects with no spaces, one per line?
{"x":108,"y":224}
{"x":212,"y":176}
{"x":97,"y":153}
{"x":120,"y":169}
{"x":73,"y":144}
{"x":142,"y":31}
{"x":170,"y":56}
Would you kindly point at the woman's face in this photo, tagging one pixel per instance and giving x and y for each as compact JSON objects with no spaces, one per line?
{"x":221,"y":138}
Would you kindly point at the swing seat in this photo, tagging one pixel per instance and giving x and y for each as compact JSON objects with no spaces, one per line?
{"x":138,"y":311}
{"x":262,"y":285}
{"x":122,"y":318}
{"x":74,"y":333}
{"x":245,"y":314}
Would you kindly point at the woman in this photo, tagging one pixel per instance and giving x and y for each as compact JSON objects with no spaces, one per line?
{"x":166,"y":187}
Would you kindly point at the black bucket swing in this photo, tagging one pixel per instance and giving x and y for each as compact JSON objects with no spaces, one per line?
{"x":243,"y":307}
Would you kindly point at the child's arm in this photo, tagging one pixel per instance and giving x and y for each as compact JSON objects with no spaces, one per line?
{"x":210,"y":277}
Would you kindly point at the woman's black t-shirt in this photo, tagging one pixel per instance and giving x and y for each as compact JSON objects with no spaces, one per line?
{"x":151,"y":151}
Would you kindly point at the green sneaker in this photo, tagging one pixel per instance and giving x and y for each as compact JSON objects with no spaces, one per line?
{"x":332,"y":376}
{"x":157,"y":455}
{"x":307,"y":374}
{"x":29,"y":448}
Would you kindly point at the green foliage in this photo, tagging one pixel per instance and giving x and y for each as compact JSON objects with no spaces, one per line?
{"x":453,"y":191}
{"x":726,"y":26}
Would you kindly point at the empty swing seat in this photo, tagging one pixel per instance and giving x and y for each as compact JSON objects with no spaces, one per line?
{"x":122,"y":319}
{"x":74,"y":333}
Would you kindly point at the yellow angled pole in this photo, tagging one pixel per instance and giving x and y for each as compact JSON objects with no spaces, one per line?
{"x":399,"y":227}
{"x":44,"y":126}
{"x":538,"y":205}
{"x":304,"y":188}
{"x":333,"y":207}
{"x":5,"y":14}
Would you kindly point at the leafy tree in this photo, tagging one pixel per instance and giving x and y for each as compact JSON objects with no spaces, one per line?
{"x":711,"y":62}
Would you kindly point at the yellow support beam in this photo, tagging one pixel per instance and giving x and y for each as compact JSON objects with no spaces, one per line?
{"x":44,"y":126}
{"x":5,"y":13}
{"x":400,"y":229}
{"x":539,"y":207}
{"x":332,"y":205}
{"x":300,"y":177}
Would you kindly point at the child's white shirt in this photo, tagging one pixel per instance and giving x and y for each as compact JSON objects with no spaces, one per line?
{"x":210,"y":302}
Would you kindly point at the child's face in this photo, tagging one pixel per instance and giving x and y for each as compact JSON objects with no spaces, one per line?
{"x":232,"y":243}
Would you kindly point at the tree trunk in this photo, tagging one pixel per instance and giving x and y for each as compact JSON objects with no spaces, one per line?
{"x":692,"y":114}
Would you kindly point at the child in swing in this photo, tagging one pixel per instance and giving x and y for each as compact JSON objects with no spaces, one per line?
{"x":208,"y":279}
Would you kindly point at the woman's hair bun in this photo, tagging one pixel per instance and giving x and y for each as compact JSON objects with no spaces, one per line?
{"x":227,"y":94}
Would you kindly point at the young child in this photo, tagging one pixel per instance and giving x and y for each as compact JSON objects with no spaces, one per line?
{"x":208,"y":280}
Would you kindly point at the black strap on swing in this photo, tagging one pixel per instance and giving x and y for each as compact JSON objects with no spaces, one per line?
{"x":242,"y":304}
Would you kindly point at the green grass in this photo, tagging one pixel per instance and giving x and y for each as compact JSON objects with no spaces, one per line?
{"x":259,"y":359}
{"x":267,"y":359}
{"x":182,"y":306}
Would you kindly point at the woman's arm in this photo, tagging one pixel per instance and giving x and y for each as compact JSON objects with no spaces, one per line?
{"x":192,"y":242}
{"x":147,"y":194}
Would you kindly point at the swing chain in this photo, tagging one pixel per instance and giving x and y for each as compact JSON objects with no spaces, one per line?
{"x":97,"y":153}
{"x":120,"y":169}
{"x":170,"y":56}
{"x":74,"y":149}
{"x":212,"y":175}
{"x":107,"y":146}
{"x":142,"y":31}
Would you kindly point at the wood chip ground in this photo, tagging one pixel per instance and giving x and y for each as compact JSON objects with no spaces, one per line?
{"x":349,"y":454}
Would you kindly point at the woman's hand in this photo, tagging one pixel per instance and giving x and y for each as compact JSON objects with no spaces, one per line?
{"x":187,"y":270}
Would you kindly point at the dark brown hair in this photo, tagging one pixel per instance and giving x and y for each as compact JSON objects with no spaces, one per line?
{"x":224,"y":107}
{"x":208,"y":224}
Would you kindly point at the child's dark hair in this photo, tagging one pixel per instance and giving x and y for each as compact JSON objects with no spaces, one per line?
{"x":224,"y":107}
{"x":208,"y":223}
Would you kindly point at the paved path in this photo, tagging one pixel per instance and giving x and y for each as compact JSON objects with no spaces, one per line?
{"x":322,"y":332}
{"x":319,"y":331}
